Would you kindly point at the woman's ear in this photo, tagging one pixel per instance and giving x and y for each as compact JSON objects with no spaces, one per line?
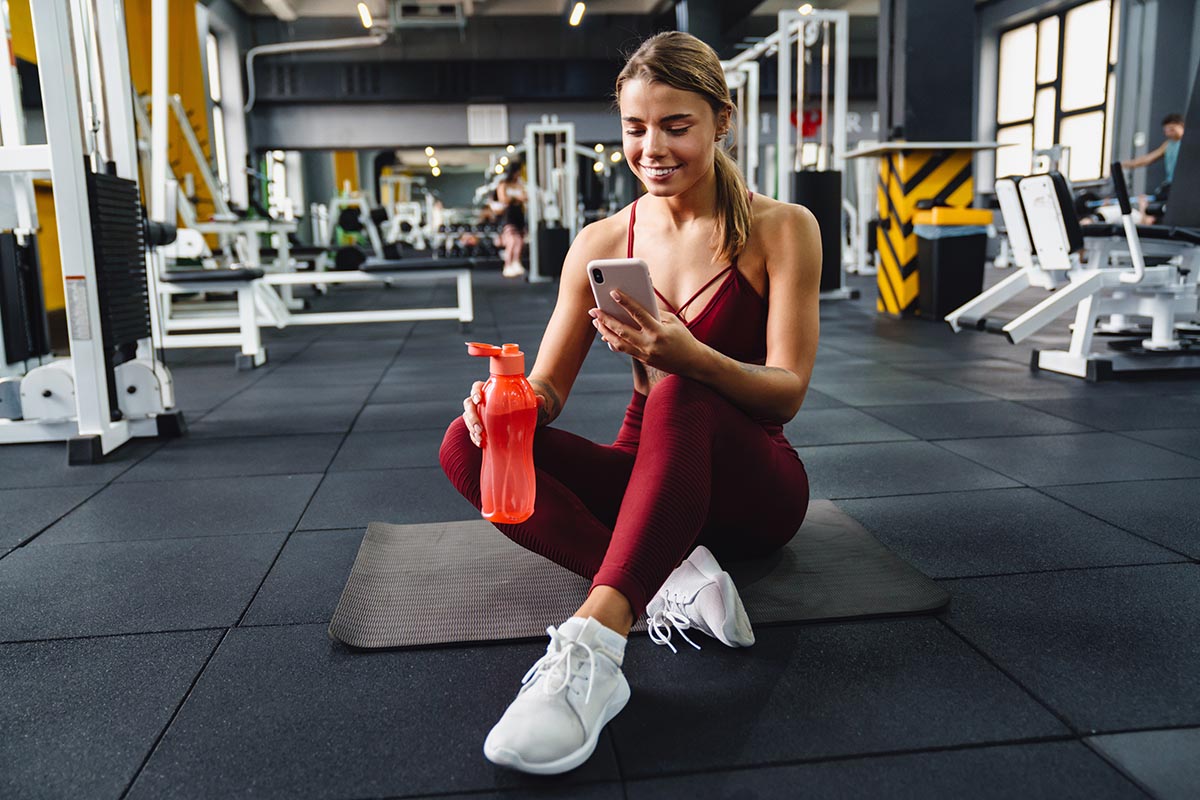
{"x":723,"y":122}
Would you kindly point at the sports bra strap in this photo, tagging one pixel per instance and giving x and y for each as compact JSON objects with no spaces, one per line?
{"x":632,"y":219}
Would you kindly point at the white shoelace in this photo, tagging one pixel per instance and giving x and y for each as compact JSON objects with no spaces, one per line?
{"x":661,"y":623}
{"x":557,"y":665}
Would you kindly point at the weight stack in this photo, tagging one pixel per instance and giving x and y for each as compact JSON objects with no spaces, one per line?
{"x":22,"y":309}
{"x":821,"y":193}
{"x":119,"y":246}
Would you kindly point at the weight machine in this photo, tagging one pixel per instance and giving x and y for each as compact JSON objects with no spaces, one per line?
{"x":809,"y":173}
{"x":552,"y":186}
{"x":112,"y":388}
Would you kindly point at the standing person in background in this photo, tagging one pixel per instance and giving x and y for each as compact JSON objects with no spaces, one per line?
{"x":1168,"y":151}
{"x":511,"y":192}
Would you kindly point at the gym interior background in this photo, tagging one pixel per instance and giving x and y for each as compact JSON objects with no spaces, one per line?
{"x":245,"y":241}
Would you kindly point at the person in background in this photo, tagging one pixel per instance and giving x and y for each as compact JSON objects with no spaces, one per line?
{"x":1168,"y":151}
{"x":511,"y":192}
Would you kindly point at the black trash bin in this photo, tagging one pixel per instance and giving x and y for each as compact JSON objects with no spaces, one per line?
{"x":951,"y":251}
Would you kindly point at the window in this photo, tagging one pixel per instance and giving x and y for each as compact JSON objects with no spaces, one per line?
{"x":1057,"y":80}
{"x":218,"y":114}
{"x":284,"y":191}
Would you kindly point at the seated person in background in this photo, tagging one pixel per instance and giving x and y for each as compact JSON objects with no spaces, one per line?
{"x":701,"y":460}
{"x":1168,"y":151}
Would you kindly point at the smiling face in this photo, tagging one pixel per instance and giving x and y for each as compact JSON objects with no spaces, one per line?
{"x":669,"y":135}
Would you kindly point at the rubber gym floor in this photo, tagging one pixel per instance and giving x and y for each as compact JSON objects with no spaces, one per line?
{"x":163,"y":614}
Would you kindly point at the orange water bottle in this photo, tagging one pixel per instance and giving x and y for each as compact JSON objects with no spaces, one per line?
{"x":509,"y":414}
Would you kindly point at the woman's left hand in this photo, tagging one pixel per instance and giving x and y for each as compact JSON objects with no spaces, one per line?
{"x":661,"y":343}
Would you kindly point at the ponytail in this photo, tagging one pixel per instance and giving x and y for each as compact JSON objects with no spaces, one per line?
{"x":733,"y":201}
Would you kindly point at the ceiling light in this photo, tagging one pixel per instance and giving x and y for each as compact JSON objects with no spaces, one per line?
{"x":499,"y":169}
{"x":364,"y":14}
{"x":428,"y":151}
{"x":504,"y":160}
{"x":598,"y":166}
{"x":433,"y":162}
{"x":437,"y":171}
{"x":577,"y":14}
{"x":806,"y":9}
{"x":281,"y":9}
{"x":599,"y":148}
{"x":615,"y":157}
{"x":510,"y":149}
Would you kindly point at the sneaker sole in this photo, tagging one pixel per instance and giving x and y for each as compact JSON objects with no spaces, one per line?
{"x":737,"y":631}
{"x":507,"y":758}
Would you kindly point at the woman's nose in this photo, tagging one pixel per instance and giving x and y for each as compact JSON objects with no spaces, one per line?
{"x":654,"y":143}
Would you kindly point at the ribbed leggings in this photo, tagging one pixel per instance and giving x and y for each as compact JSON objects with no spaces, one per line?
{"x":687,"y":468}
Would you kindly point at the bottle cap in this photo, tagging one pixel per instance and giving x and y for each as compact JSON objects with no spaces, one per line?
{"x":505,"y":360}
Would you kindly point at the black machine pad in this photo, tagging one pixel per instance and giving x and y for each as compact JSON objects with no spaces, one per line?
{"x":442,"y":582}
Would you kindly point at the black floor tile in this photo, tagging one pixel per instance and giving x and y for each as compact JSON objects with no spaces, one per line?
{"x":318,"y":375}
{"x":231,"y":421}
{"x":130,"y":587}
{"x":1166,"y":763}
{"x":1074,"y":458}
{"x":1166,"y":512}
{"x":816,"y":400}
{"x":1109,"y":649}
{"x":1009,"y":380}
{"x":27,"y":511}
{"x":969,"y":420}
{"x":833,"y":367}
{"x":1047,"y":771}
{"x":543,"y":790}
{"x":187,"y":459}
{"x":401,"y":496}
{"x":997,"y":531}
{"x":285,"y":712}
{"x":25,"y":466}
{"x":817,"y":691}
{"x":1122,"y":414}
{"x":445,"y":389}
{"x":282,"y":399}
{"x":78,"y":717}
{"x":186,"y":508}
{"x":892,"y":468}
{"x":410,"y":416}
{"x":899,"y":392}
{"x":307,"y":580}
{"x":1185,"y":441}
{"x":388,"y":450}
{"x":839,"y":426}
{"x":200,"y":388}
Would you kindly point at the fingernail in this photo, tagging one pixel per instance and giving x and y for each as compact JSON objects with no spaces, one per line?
{"x":616,"y":295}
{"x":478,"y":429}
{"x":475,"y":399}
{"x":592,"y":313}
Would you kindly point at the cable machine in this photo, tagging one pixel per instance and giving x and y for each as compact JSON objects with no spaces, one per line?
{"x":112,"y":388}
{"x":805,"y":172}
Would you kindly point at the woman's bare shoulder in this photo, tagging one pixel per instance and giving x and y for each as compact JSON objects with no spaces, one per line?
{"x":770,"y":218}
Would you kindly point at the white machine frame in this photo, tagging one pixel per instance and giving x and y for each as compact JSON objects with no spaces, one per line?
{"x":68,"y":399}
{"x":548,"y":163}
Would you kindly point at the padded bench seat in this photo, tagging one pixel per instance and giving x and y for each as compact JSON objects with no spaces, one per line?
{"x":297,"y":251}
{"x":406,"y":264}
{"x":1156,"y":232}
{"x":211,"y":275}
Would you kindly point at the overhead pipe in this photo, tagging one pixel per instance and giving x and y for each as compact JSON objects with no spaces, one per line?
{"x":374,"y":39}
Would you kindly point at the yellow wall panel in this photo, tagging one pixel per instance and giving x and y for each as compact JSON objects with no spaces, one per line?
{"x":48,"y":253}
{"x":20,"y":23}
{"x":345,"y":168}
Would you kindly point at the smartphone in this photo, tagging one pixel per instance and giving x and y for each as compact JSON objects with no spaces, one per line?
{"x":629,"y":276}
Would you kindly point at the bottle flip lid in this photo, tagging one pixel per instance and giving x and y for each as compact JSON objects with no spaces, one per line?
{"x":505,"y":360}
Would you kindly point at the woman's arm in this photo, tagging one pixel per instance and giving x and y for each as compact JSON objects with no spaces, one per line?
{"x":773,"y":391}
{"x":568,"y":335}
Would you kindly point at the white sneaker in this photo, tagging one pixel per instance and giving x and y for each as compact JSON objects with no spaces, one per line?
{"x":567,"y":697}
{"x":699,"y":594}
{"x":513,"y":270}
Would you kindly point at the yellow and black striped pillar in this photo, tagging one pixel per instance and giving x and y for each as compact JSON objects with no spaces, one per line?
{"x":906,"y":177}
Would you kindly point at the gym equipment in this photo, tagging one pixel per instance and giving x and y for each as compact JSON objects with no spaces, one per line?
{"x":1127,"y":272}
{"x":397,"y":594}
{"x":112,"y":387}
{"x":809,"y":174}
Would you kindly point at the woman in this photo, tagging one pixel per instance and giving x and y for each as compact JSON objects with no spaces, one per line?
{"x":700,"y":461}
{"x":510,"y":192}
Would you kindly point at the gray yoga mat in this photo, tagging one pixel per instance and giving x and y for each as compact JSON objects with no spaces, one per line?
{"x":442,"y":582}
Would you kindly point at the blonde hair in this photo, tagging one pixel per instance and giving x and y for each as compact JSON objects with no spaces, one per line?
{"x":683,"y":62}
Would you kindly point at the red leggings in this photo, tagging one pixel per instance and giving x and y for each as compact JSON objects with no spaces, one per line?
{"x":626,"y":515}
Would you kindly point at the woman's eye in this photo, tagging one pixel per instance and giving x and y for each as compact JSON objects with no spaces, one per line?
{"x":634,"y":133}
{"x":678,"y":131}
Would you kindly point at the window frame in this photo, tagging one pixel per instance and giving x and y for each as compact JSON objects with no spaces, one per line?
{"x":1056,"y":84}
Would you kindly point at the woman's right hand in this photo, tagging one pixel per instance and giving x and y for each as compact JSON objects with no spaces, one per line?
{"x":471,"y":414}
